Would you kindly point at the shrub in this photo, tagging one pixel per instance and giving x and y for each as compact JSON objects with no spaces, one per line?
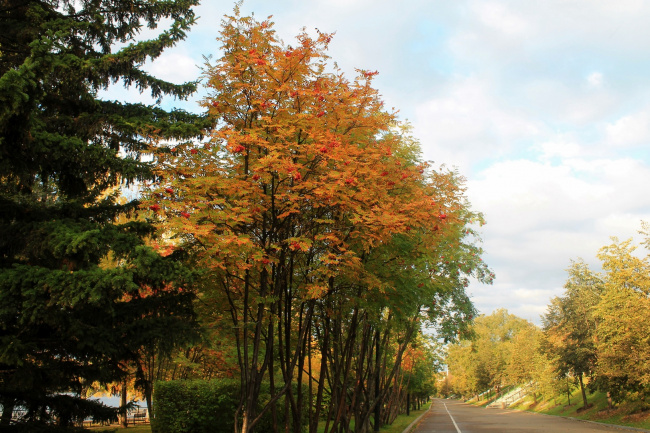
{"x":199,"y":406}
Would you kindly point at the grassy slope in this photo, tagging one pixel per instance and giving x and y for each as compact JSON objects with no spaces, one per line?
{"x":626,"y":414}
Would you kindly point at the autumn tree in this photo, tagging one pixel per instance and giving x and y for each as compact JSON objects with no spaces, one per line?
{"x":421,"y":366}
{"x":484,"y":360}
{"x":529,"y":365}
{"x":462,"y":378}
{"x":307,"y":192}
{"x":66,"y":321}
{"x":570,"y":326}
{"x":623,"y":332}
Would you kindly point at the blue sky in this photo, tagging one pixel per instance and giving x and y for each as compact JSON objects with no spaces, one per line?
{"x":543,"y":106}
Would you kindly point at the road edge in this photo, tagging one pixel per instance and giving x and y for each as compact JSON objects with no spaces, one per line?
{"x":410,"y":426}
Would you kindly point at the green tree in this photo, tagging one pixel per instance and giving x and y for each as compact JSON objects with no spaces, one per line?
{"x":427,"y":357}
{"x":570,"y":326}
{"x":65,"y":320}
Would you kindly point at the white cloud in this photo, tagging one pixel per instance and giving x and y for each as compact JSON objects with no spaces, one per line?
{"x":541,"y":216}
{"x":630,"y":130}
{"x":561,"y":146}
{"x":498,"y":16}
{"x":566,"y":101}
{"x":595,"y":79}
{"x":467,"y":123}
{"x":174,"y":66}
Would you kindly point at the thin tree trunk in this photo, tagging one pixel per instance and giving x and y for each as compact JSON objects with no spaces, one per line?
{"x":123,"y":398}
{"x":408,"y":404}
{"x":313,"y":422}
{"x":582,"y":389}
{"x":377,"y":383}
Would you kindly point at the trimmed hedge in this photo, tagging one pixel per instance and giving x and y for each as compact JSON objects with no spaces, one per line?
{"x":199,"y":406}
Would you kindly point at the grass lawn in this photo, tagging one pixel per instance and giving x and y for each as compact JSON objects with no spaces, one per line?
{"x":626,"y":414}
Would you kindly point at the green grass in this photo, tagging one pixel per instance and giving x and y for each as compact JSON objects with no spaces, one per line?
{"x":398,"y":426}
{"x":403,"y":421}
{"x":625,"y":414}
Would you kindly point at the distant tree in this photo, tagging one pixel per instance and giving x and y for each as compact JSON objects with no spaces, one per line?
{"x":422,"y":364}
{"x":462,"y":378}
{"x":65,"y":320}
{"x":522,"y":364}
{"x":530,"y":365}
{"x":496,"y":336}
{"x":570,"y":326}
{"x":482,"y":362}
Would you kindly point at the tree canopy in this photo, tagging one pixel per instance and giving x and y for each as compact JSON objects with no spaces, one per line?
{"x":296,"y":212}
{"x":321,"y":231}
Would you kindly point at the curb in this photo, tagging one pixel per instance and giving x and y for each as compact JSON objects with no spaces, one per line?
{"x":410,"y":426}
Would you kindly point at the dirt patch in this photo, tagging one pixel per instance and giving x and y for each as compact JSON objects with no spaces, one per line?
{"x":637,"y":417}
{"x":585,"y":408}
{"x":607,"y":413}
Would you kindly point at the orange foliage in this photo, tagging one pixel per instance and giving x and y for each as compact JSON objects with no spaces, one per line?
{"x":301,"y":161}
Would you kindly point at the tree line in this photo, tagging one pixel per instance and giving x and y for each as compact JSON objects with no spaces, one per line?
{"x":290,"y":235}
{"x":595,"y":336}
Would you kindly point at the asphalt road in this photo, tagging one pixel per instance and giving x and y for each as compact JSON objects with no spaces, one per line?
{"x":452,"y":416}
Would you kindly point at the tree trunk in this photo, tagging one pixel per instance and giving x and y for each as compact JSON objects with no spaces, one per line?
{"x":313,"y":422}
{"x":274,"y":406}
{"x":148,"y":391}
{"x":408,"y":404}
{"x":123,"y":397}
{"x":582,"y":389}
{"x":244,"y":424}
{"x":377,"y":385}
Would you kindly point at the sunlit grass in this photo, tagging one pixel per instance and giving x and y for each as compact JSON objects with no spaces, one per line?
{"x":623,"y":414}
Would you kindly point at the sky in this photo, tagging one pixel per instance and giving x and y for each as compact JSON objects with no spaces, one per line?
{"x":544,"y":108}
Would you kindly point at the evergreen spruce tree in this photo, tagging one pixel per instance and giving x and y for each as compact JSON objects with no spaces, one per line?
{"x":68,"y":320}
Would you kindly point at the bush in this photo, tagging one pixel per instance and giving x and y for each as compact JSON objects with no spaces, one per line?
{"x":199,"y":406}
